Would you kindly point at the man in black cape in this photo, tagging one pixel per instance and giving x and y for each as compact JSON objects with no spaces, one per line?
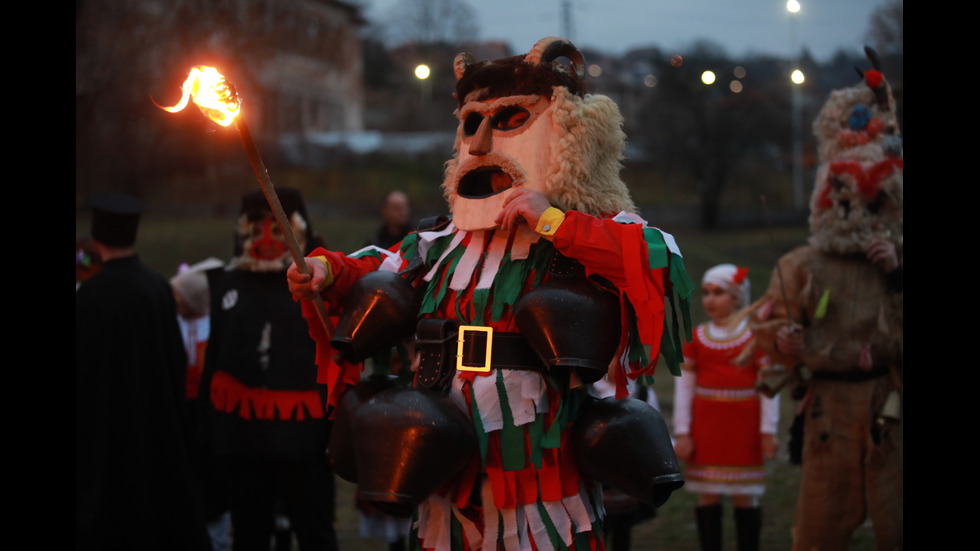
{"x":134,"y":487}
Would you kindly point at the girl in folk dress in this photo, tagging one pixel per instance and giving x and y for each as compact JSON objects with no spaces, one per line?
{"x":724,"y":429}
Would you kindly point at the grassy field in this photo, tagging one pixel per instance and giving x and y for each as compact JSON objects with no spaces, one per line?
{"x":166,"y":241}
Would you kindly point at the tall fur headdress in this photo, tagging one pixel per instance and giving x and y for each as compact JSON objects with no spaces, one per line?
{"x":858,"y":194}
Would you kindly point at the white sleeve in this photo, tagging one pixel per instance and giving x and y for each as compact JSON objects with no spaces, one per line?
{"x":769,"y":418}
{"x":652,"y":398}
{"x":683,"y":397}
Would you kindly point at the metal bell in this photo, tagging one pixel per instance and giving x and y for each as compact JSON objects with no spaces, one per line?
{"x":410,"y":442}
{"x":340,"y":450}
{"x":625,"y":444}
{"x":570,"y":322}
{"x":380,"y":309}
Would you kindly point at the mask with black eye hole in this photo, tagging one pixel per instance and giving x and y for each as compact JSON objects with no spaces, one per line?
{"x":505,"y":143}
{"x":488,"y":180}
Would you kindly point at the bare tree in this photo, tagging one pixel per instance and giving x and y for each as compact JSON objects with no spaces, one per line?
{"x":886,"y":28}
{"x":886,"y":34}
{"x":706,"y":133}
{"x":431,"y":22}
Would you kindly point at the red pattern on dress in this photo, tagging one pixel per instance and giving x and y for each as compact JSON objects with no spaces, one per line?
{"x":725,"y":413}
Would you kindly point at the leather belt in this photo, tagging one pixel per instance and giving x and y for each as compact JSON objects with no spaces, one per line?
{"x":481,"y":349}
{"x":446,"y":347}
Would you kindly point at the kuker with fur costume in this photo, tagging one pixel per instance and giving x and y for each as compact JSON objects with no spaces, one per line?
{"x":495,"y":297}
{"x":843,"y":292}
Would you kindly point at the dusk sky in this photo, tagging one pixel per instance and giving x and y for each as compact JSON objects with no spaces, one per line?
{"x":615,"y":26}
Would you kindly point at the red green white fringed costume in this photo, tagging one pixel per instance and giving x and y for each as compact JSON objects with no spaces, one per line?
{"x":527,"y":131}
{"x":527,"y":482}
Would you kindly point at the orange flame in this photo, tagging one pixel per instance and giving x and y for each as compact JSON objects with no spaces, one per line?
{"x":215,"y":96}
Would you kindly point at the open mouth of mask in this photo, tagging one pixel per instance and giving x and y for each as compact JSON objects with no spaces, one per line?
{"x":484,"y":182}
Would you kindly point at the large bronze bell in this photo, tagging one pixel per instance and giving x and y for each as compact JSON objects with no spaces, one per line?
{"x":625,"y":444}
{"x":380,"y":310}
{"x":340,"y":450}
{"x":410,"y":442}
{"x":571,"y":322}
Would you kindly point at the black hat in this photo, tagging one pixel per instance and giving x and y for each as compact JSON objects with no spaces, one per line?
{"x":115,"y":218}
{"x":255,"y":206}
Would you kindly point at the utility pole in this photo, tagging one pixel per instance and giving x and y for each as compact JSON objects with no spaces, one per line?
{"x":566,"y":20}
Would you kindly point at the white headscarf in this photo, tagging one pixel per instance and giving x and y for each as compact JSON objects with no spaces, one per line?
{"x":732,"y":278}
{"x":192,"y":284}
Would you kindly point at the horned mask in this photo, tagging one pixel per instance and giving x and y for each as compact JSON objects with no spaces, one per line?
{"x":526,"y":121}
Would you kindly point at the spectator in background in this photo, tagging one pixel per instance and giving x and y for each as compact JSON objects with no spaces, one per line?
{"x":724,"y":429}
{"x":190,"y":287}
{"x":134,"y":481}
{"x":396,"y":220}
{"x":267,"y":412}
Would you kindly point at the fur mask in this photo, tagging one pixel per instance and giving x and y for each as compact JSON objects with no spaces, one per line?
{"x":569,"y":146}
{"x":858,"y":195}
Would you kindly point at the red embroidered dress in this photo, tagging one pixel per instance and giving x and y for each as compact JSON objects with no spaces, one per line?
{"x":717,"y":404}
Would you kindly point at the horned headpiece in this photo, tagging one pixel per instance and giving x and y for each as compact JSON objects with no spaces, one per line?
{"x":526,"y":121}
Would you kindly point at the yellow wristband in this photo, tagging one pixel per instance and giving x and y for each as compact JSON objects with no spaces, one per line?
{"x":549,"y":222}
{"x":329,"y":280}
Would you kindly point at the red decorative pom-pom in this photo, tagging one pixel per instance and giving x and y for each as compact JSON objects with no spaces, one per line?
{"x":740,"y":274}
{"x":875,"y":126}
{"x":873,"y":78}
{"x":847,"y":138}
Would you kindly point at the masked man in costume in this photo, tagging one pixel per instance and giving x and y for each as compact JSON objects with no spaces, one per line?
{"x":537,"y":201}
{"x":834,"y":309}
{"x":268,"y":424}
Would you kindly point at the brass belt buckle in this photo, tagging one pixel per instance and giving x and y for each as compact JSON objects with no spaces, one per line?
{"x":459,"y":348}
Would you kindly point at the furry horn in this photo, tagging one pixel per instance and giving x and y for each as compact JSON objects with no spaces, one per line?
{"x":550,"y":48}
{"x":872,"y":56}
{"x":462,"y":61}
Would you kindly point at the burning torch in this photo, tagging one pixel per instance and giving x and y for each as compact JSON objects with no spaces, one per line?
{"x":218,"y":99}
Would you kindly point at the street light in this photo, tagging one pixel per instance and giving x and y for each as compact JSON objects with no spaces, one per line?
{"x":422,"y":73}
{"x":797,"y":79}
{"x":793,"y":7}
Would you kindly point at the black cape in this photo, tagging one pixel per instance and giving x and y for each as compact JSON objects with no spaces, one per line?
{"x":134,"y":485}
